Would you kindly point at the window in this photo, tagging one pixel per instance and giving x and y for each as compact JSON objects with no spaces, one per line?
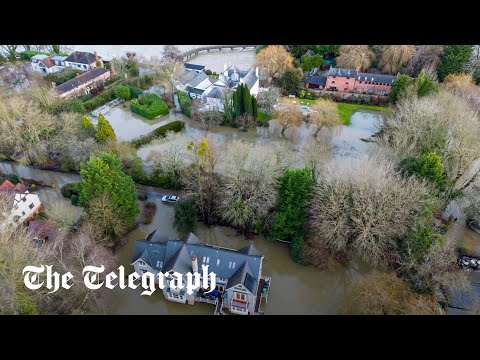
{"x":333,"y":82}
{"x":206,"y":259}
{"x":143,"y":271}
{"x":346,"y":83}
{"x":141,"y":263}
{"x":218,"y":262}
{"x":388,"y":84}
{"x":240,"y":297}
{"x":24,"y":199}
{"x":347,"y":78}
{"x":31,"y":206}
{"x":345,"y":89}
{"x":360,"y":82}
{"x":369,"y":82}
{"x":23,"y":213}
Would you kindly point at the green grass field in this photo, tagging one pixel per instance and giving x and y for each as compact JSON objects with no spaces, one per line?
{"x":345,"y":111}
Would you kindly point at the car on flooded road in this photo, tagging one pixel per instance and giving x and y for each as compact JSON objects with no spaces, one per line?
{"x":170,"y":199}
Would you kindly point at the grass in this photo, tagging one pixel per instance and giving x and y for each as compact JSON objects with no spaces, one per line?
{"x":298,"y":101}
{"x":345,"y":111}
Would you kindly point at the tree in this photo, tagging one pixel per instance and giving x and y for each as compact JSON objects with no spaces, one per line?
{"x":327,"y":51}
{"x":207,"y":118}
{"x":365,"y":209}
{"x":291,"y":81}
{"x":311,"y":62}
{"x":462,"y":85}
{"x":166,"y":72}
{"x":386,"y":294}
{"x":428,"y":166}
{"x":324,"y":114}
{"x":266,"y":99}
{"x":443,"y":123}
{"x":394,"y":57}
{"x":273,"y":61}
{"x":399,"y":86}
{"x":56,"y":49}
{"x":245,"y":121}
{"x":353,"y":56}
{"x":228,"y":110}
{"x":454,"y":60}
{"x":290,"y":117}
{"x":171,"y":52}
{"x":122,"y":92}
{"x":290,"y":219}
{"x":248,"y":186}
{"x":185,"y":216}
{"x":87,"y":123}
{"x":102,"y":212}
{"x":425,"y":57}
{"x":10,"y":50}
{"x":201,"y":180}
{"x":103,"y":178}
{"x":247,"y":101}
{"x":425,"y":83}
{"x":104,"y":130}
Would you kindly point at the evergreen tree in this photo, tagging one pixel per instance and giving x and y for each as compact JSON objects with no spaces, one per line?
{"x":87,"y":123}
{"x":236,"y":103}
{"x":247,"y":101}
{"x":104,"y":130}
{"x":254,"y":107}
{"x":454,"y":60}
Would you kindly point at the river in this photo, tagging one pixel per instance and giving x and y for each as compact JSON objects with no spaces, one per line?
{"x":295,"y":289}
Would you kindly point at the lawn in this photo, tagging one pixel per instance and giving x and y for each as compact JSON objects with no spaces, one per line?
{"x":345,"y":111}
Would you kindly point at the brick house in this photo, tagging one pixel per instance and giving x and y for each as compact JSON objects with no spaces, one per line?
{"x":82,"y":84}
{"x":83,"y":60}
{"x":350,"y":80}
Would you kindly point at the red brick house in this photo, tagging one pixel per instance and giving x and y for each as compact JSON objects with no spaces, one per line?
{"x":350,"y":80}
{"x":82,"y":84}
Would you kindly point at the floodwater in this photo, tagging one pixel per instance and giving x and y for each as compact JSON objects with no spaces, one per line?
{"x":214,"y":60}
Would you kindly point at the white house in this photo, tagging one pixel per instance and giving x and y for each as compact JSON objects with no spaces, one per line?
{"x":24,"y":204}
{"x":47,"y":64}
{"x":232,"y":76}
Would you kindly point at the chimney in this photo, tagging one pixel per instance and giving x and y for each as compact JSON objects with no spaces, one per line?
{"x":194,"y":264}
{"x":256,"y":71}
{"x":225,"y":67}
{"x":96,"y":55}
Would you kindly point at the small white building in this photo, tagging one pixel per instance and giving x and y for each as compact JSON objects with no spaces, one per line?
{"x":24,"y":204}
{"x":47,"y":64}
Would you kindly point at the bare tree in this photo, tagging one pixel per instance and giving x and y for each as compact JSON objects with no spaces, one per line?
{"x":206,"y":118}
{"x":424,"y":57}
{"x":324,"y":115}
{"x":353,"y":56}
{"x":394,"y":57}
{"x":245,"y":121}
{"x":171,"y":52}
{"x":10,"y":50}
{"x":61,"y":214}
{"x":273,"y":61}
{"x":289,"y":117}
{"x":267,"y":99}
{"x":461,"y":85}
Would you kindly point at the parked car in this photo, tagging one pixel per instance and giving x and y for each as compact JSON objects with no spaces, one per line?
{"x":170,"y":199}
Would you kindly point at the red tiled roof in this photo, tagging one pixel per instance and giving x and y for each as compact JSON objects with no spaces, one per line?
{"x":7,"y":185}
{"x":48,"y":62}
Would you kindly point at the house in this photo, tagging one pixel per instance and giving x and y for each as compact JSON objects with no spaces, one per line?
{"x":232,"y":76}
{"x":214,"y":98}
{"x":48,"y":64}
{"x":41,"y":233}
{"x":194,"y":67}
{"x":83,"y":60}
{"x":351,"y":80}
{"x":24,"y":204}
{"x":239,"y":280}
{"x":83,"y":83}
{"x":316,"y":82}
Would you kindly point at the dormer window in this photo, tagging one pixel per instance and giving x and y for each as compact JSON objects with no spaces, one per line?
{"x":141,"y":263}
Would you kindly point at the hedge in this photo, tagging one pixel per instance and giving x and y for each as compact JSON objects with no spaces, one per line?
{"x":175,"y":126}
{"x":69,"y":190}
{"x":69,"y":105}
{"x":185,"y":102}
{"x":109,"y":95}
{"x":149,"y":106}
{"x":27,"y":55}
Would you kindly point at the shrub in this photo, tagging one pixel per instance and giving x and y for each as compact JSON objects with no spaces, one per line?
{"x":61,"y":77}
{"x":185,"y":102}
{"x":87,"y":123}
{"x":27,"y":55}
{"x":149,"y":106}
{"x":133,"y":71}
{"x":143,"y":82}
{"x":208,"y":72}
{"x":185,"y":216}
{"x":175,"y":126}
{"x":112,"y":79}
{"x":75,"y":200}
{"x":122,"y":92}
{"x":68,"y":105}
{"x":134,"y":92}
{"x":149,"y":212}
{"x":69,"y":190}
{"x":67,"y":164}
{"x":100,"y":99}
{"x":12,"y":178}
{"x":104,"y":130}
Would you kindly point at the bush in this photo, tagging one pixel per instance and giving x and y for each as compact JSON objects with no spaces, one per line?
{"x":185,"y":102}
{"x":27,"y":55}
{"x":112,"y":79}
{"x":12,"y":178}
{"x":175,"y":126}
{"x":69,"y":190}
{"x":61,"y":77}
{"x":122,"y":92}
{"x":69,"y":105}
{"x":185,"y":216}
{"x":75,"y":200}
{"x":67,"y":164}
{"x":149,"y":212}
{"x":104,"y":130}
{"x":133,"y":71}
{"x":134,"y":92}
{"x":100,"y":99}
{"x":208,"y":72}
{"x":87,"y":123}
{"x":143,"y":82}
{"x":149,"y":106}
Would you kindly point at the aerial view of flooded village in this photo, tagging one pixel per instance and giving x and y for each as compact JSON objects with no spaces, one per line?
{"x":309,"y":179}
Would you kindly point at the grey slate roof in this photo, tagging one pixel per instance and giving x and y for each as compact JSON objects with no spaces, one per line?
{"x":194,"y":66}
{"x":80,"y":79}
{"x":464,"y":300}
{"x":250,"y":78}
{"x":217,"y":93}
{"x":198,"y":79}
{"x":58,"y":58}
{"x":177,"y":255}
{"x":81,"y":57}
{"x":310,"y":52}
{"x":187,"y":76}
{"x":380,"y":78}
{"x":342,"y":72}
{"x":317,"y":80}
{"x":195,"y":91}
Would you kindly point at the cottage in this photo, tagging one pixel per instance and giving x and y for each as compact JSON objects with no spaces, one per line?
{"x":316,"y":82}
{"x":84,"y":83}
{"x":24,"y":205}
{"x":351,"y":80}
{"x":232,"y":76}
{"x":47,"y":64}
{"x":240,"y":285}
{"x":194,"y":67}
{"x":83,"y":60}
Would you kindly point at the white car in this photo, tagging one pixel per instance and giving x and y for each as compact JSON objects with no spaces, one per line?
{"x":170,"y":199}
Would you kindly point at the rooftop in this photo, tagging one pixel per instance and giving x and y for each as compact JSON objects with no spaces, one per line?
{"x":80,"y":79}
{"x":317,"y":80}
{"x":194,"y":66}
{"x":81,"y":57}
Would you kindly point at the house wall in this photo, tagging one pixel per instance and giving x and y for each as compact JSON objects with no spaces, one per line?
{"x":254,"y":89}
{"x":313,"y":86}
{"x":26,"y":206}
{"x":78,"y":90}
{"x":374,"y":87}
{"x":341,"y":83}
{"x":214,"y":104}
{"x":230,"y":295}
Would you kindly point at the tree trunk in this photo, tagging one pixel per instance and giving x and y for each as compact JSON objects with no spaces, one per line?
{"x":469,"y":182}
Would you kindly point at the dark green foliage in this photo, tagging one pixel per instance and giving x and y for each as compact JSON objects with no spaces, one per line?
{"x":291,"y":81}
{"x":419,"y":241}
{"x":134,"y":91}
{"x":260,"y":48}
{"x":27,"y":55}
{"x":311,"y":62}
{"x":143,"y":82}
{"x":104,"y":174}
{"x":454,"y":60}
{"x":100,"y":99}
{"x":399,"y":86}
{"x":56,"y":49}
{"x":68,"y":190}
{"x":67,"y":164}
{"x":12,"y":178}
{"x":74,"y":200}
{"x":175,"y":126}
{"x":254,"y":107}
{"x":327,"y":51}
{"x":68,"y":105}
{"x":185,"y":216}
{"x":424,"y":84}
{"x":149,"y":106}
{"x":122,"y":92}
{"x":208,"y":72}
{"x":428,"y":166}
{"x":63,"y":76}
{"x":247,"y":101}
{"x":228,"y":111}
{"x":296,"y":250}
{"x":243,"y":102}
{"x":290,"y":221}
{"x":298,"y":51}
{"x":185,"y":102}
{"x":133,"y":70}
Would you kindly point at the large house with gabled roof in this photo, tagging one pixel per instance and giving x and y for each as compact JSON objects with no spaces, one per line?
{"x":83,"y":60}
{"x":240,"y":285}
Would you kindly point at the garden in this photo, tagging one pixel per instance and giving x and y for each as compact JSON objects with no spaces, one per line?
{"x":149,"y":106}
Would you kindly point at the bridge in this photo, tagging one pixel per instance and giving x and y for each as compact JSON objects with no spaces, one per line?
{"x":194,"y":52}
